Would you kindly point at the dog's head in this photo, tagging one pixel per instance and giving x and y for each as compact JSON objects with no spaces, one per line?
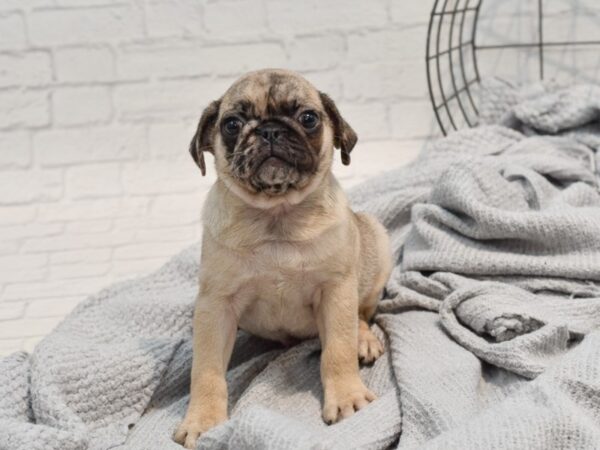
{"x":272,"y":135}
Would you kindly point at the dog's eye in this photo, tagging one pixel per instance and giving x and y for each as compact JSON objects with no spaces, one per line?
{"x":309,"y":119}
{"x":232,"y":126}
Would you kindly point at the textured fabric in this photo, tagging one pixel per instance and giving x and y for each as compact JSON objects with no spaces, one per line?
{"x":490,"y":318}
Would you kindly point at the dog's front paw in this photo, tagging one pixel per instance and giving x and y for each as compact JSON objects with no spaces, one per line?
{"x":345,"y":397}
{"x":192,"y":427}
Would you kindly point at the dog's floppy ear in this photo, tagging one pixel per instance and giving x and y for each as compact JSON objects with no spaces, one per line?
{"x":202,"y":140}
{"x":344,"y":136}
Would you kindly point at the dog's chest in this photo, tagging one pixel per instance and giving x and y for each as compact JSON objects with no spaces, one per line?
{"x":278,"y":298}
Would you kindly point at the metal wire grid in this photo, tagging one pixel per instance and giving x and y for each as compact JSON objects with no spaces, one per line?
{"x":455,"y":104}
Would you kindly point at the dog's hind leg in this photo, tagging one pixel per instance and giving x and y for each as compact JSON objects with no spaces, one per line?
{"x":375,"y":268}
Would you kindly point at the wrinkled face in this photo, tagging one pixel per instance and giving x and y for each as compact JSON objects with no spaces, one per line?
{"x":272,"y":133}
{"x":271,"y":130}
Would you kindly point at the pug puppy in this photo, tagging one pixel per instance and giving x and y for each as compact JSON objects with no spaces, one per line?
{"x":283,"y":255}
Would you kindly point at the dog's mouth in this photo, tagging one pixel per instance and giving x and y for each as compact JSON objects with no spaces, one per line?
{"x":274,"y":168}
{"x":274,"y":174}
{"x":274,"y":160}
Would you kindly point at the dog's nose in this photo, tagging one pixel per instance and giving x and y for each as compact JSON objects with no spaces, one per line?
{"x":270,"y":132}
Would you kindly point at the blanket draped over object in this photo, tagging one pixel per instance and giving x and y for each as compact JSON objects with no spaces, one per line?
{"x":490,"y":317}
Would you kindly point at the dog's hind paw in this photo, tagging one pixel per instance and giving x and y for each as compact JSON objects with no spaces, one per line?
{"x":369,"y":346}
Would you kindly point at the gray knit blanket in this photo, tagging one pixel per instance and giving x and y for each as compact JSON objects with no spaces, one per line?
{"x":490,"y":317}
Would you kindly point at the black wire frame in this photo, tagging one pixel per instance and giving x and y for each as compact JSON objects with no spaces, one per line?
{"x":456,"y":11}
{"x":461,"y":93}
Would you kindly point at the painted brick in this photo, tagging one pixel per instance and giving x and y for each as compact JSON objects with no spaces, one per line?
{"x":412,"y":119}
{"x":50,"y":289}
{"x":16,"y":5}
{"x":21,"y":186}
{"x":171,"y":102}
{"x":52,"y":307}
{"x":94,"y":180}
{"x":92,"y":209}
{"x":161,"y":177}
{"x":240,"y":58}
{"x":85,"y":25}
{"x":25,"y":69}
{"x":81,"y":105}
{"x":15,"y":150}
{"x":27,"y":327}
{"x":20,"y":262}
{"x":28,"y":230}
{"x":304,"y":54}
{"x":19,"y":108}
{"x":89,"y":226}
{"x":132,"y":268}
{"x":8,"y":346}
{"x":64,"y":147}
{"x":147,"y":250}
{"x":235,"y":19}
{"x":329,"y":82}
{"x":8,"y":248}
{"x":84,"y":64}
{"x":187,"y":234}
{"x":162,"y":19}
{"x":23,"y":275}
{"x":11,"y":310}
{"x":81,"y":256}
{"x":411,"y":13}
{"x":69,"y":271}
{"x":369,"y":120}
{"x":370,"y":159}
{"x":144,"y":61}
{"x":171,"y":140}
{"x":191,"y":217}
{"x":161,"y":221}
{"x":170,"y":211}
{"x":382,"y":81}
{"x":11,"y":215}
{"x":79,"y":3}
{"x":80,"y":241}
{"x":12,"y":30}
{"x":387,"y":45}
{"x":316,"y":16}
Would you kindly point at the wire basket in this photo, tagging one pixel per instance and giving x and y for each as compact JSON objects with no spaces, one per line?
{"x":463,"y":47}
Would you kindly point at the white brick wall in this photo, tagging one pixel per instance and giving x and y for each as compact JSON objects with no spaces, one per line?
{"x":98,"y":102}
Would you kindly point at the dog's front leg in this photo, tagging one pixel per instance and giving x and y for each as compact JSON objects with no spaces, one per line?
{"x":337,"y":319}
{"x":215,"y":327}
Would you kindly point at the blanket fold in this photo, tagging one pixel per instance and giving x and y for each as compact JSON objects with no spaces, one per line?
{"x":491,"y":316}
